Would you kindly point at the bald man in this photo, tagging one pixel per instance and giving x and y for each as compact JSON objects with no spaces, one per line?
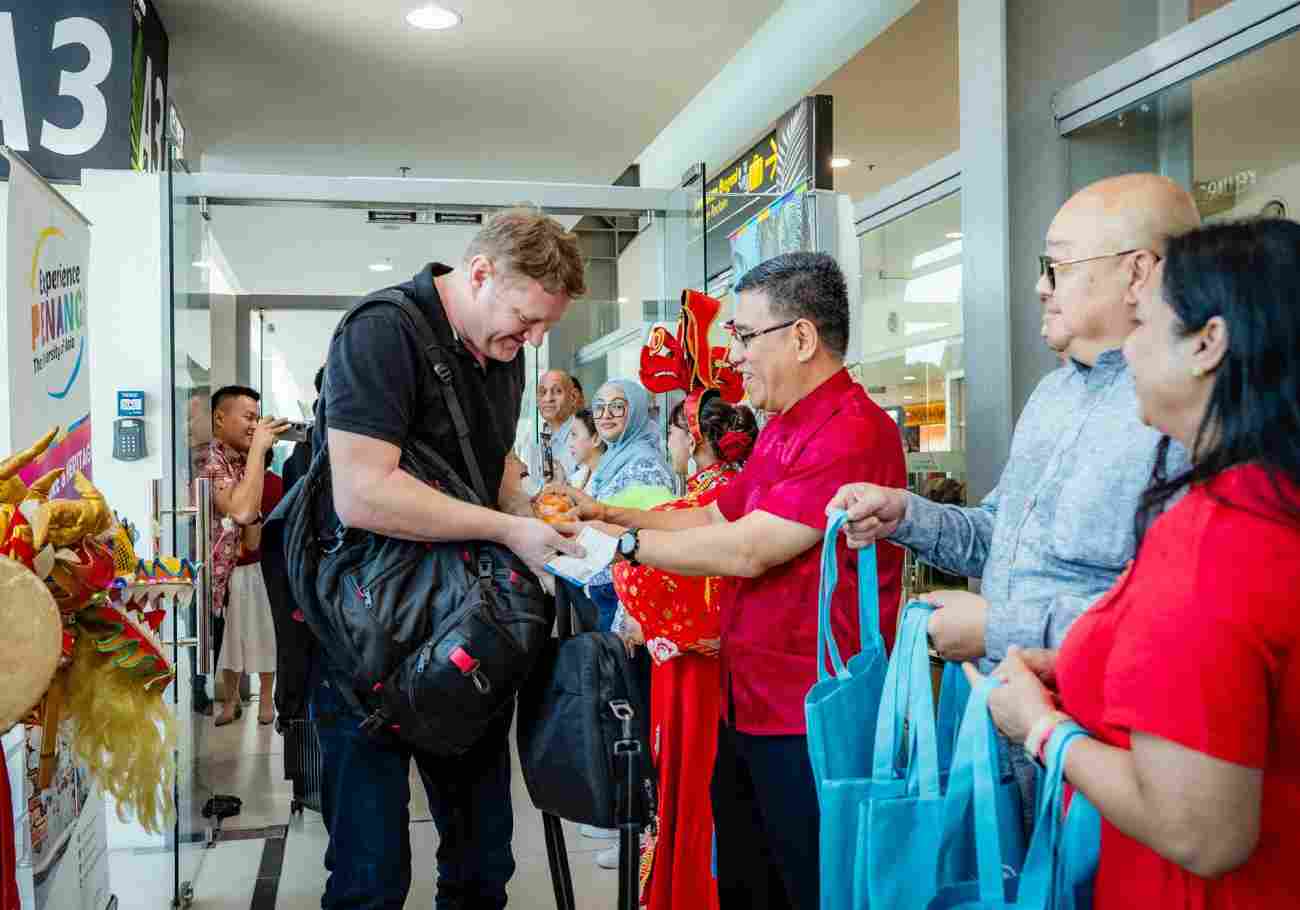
{"x":548,"y":457}
{"x":1058,"y":530}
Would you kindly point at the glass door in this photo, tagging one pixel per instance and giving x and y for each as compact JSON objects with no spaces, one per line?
{"x":181,"y":530}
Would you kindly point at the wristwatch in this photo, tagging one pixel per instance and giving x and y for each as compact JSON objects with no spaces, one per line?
{"x":629,"y":542}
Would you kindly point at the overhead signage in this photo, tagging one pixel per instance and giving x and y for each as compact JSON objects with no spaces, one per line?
{"x":83,"y":84}
{"x":794,"y":154}
{"x":459,"y":218}
{"x":46,"y":270}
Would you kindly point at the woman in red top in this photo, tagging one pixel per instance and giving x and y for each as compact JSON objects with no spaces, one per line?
{"x":679,"y":618}
{"x":1187,"y":673}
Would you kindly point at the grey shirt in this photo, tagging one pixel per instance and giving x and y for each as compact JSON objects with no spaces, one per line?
{"x":1058,"y":529}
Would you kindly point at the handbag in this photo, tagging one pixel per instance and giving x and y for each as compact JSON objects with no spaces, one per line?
{"x":841,"y":710}
{"x":979,"y":861}
{"x":434,"y":639}
{"x":900,"y":819}
{"x":583,"y":738}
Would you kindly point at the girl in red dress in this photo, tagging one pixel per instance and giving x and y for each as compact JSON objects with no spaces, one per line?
{"x":679,"y":621}
{"x":1187,"y":674}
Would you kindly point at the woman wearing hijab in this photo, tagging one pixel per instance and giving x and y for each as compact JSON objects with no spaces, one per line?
{"x":633,"y":458}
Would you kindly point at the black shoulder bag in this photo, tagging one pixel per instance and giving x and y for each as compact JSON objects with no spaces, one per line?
{"x":583,"y":732}
{"x":435,"y":639}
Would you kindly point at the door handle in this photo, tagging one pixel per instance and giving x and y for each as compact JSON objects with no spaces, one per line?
{"x":201,"y":512}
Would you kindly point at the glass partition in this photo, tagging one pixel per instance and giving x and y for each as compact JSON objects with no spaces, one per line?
{"x":1230,"y":135}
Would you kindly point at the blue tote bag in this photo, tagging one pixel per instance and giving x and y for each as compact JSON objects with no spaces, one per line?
{"x":1061,"y":861}
{"x":841,"y":713}
{"x":900,"y":820}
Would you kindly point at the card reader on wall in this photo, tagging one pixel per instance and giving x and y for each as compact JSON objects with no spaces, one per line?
{"x":128,"y":439}
{"x":128,"y":429}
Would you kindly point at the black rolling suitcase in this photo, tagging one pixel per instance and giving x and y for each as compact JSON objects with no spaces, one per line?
{"x":302,"y":763}
{"x":584,"y":753}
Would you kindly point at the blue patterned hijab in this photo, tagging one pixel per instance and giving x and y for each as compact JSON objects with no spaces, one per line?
{"x":639,"y":439}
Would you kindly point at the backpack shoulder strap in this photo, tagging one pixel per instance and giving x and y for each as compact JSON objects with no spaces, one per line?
{"x":436,"y":354}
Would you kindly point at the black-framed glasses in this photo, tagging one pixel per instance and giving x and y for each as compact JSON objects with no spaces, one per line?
{"x":615,"y":408}
{"x":1048,"y":266}
{"x":746,"y":337}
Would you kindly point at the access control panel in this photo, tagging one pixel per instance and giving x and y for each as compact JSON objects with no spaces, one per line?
{"x":128,"y":429}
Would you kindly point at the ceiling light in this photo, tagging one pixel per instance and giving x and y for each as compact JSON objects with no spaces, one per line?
{"x":622,"y":300}
{"x":908,"y":397}
{"x":384,"y":266}
{"x":200,"y":264}
{"x":909,"y":379}
{"x":433,"y":18}
{"x":953,"y":235}
{"x":841,"y":162}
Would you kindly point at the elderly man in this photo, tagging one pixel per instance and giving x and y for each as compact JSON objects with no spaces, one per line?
{"x":548,"y":458}
{"x":1058,"y":529}
{"x":789,"y":337}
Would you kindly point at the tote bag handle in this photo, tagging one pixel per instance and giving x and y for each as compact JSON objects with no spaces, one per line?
{"x":909,"y":696}
{"x":1038,"y":881}
{"x":971,"y":793}
{"x":868,"y":599}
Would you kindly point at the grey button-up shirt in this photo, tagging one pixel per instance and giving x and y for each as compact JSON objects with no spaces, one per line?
{"x":1058,"y":529}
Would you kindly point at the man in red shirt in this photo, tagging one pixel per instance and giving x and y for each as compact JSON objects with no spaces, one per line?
{"x":790,"y":334}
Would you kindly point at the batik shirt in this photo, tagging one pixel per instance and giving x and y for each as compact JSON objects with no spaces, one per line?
{"x":225,"y":468}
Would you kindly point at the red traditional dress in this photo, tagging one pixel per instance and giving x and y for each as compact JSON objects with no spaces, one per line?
{"x":679,"y":618}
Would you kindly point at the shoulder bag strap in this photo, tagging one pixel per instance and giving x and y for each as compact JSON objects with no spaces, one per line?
{"x":434,"y":352}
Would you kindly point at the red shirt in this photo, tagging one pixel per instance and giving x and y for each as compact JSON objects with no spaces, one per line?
{"x":1198,"y":644}
{"x":835,"y":435}
{"x":272,"y":493}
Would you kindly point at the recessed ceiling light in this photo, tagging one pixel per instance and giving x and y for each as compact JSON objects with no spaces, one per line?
{"x":622,"y":300}
{"x":953,"y":235}
{"x":841,"y":162}
{"x":907,"y":397}
{"x":909,"y":379}
{"x":384,"y":266}
{"x":433,"y":18}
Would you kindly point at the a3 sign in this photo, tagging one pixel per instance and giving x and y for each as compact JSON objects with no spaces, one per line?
{"x":83,"y":84}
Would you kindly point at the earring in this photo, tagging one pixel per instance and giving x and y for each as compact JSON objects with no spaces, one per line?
{"x":1197,"y":372}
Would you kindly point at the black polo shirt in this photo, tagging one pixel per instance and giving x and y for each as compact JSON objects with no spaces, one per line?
{"x":378,"y":383}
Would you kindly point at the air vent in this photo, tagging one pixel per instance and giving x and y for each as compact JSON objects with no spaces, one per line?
{"x":390,"y":218}
{"x":877,"y":389}
{"x":377,"y":216}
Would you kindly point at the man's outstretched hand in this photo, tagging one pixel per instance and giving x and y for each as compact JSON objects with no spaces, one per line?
{"x":874,"y":512}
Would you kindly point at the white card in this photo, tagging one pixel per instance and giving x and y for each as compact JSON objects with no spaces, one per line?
{"x":600,"y":549}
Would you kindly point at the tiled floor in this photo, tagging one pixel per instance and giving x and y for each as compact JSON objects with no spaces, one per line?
{"x":245,"y":759}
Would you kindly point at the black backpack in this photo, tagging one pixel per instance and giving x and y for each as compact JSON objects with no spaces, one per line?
{"x":434,"y":638}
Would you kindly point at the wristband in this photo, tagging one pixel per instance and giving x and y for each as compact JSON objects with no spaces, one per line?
{"x":1041,"y":732}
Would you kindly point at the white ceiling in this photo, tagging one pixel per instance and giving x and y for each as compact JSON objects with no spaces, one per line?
{"x":319,"y":251}
{"x":567,"y":90}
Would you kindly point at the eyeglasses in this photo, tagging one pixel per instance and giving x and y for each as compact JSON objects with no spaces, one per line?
{"x":1048,"y":266}
{"x":615,"y":408}
{"x":746,"y":337}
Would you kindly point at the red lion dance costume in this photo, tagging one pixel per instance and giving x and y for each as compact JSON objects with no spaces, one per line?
{"x":79,"y":616}
{"x":679,"y":617}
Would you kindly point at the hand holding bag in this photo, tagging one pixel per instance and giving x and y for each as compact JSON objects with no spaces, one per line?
{"x":841,"y":713}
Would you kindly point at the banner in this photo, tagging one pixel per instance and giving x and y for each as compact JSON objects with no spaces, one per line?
{"x":83,"y":84}
{"x":48,"y":262}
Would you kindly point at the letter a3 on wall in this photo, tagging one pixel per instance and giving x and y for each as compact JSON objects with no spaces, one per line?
{"x":83,"y":84}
